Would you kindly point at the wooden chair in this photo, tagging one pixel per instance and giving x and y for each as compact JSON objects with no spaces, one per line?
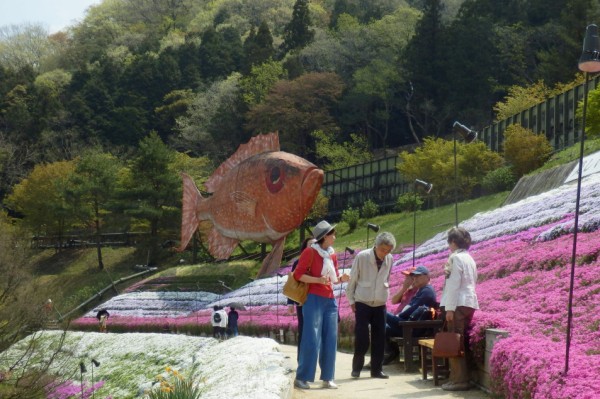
{"x":437,"y":365}
{"x":408,"y":342}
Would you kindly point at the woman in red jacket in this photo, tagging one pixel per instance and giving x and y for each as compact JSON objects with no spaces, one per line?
{"x":317,"y":266}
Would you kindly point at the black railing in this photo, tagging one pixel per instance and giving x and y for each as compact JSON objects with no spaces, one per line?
{"x":87,"y":240}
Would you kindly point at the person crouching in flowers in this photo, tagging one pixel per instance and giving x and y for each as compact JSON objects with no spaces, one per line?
{"x":318,"y":268}
{"x":459,"y":301}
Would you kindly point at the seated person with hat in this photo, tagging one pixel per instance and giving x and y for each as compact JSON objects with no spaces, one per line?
{"x":424,"y":298}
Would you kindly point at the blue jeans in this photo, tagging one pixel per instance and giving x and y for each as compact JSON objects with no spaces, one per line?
{"x":392,"y":329}
{"x":319,"y":338}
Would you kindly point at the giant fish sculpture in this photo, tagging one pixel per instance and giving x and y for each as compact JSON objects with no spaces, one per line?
{"x":260,"y":193}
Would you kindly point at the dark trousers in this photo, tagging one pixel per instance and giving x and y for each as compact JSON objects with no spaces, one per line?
{"x":459,"y":373}
{"x":300,"y":326}
{"x":375,"y":317}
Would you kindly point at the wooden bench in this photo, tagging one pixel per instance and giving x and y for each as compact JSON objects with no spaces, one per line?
{"x":407,"y":342}
{"x":435,"y":367}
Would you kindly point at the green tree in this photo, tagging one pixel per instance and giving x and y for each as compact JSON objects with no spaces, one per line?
{"x":335,"y":155}
{"x":24,"y":308}
{"x":220,"y":53}
{"x":210,"y":125}
{"x":434,"y":160}
{"x":45,"y":198}
{"x":95,"y":184}
{"x":151,"y":189}
{"x":424,"y":101}
{"x":258,"y":47}
{"x":520,"y":98}
{"x":377,"y":82}
{"x":297,"y":33}
{"x":261,"y":79}
{"x":297,"y":108}
{"x":524,"y":150}
{"x":25,"y":45}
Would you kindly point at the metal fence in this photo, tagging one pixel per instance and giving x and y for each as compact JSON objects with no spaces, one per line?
{"x":379,"y":181}
{"x":87,"y":240}
{"x":555,"y":118}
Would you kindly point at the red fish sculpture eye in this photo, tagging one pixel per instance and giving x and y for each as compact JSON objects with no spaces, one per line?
{"x":274,"y":179}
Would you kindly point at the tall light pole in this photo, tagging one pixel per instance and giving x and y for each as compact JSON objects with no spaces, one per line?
{"x":97,"y":364}
{"x":589,"y":62}
{"x":82,"y":370}
{"x":427,"y":187}
{"x":250,"y":298}
{"x":468,"y":136}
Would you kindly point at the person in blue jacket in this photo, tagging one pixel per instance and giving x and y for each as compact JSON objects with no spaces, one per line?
{"x":424,"y":299}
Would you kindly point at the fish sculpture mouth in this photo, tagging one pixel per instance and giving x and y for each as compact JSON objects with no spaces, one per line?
{"x":311,"y":184}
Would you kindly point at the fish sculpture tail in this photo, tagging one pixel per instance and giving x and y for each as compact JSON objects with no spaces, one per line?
{"x":189,"y":213}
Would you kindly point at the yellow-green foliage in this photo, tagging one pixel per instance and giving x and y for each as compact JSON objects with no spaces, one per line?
{"x":43,"y":197}
{"x":434,"y":162}
{"x":525,"y":150}
{"x":592,"y":117}
{"x":521,"y":98}
{"x":319,"y":208}
{"x":335,"y":155}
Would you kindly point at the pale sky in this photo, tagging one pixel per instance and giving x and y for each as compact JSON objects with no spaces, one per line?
{"x":54,"y":15}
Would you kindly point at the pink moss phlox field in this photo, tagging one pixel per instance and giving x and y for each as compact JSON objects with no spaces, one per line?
{"x":523,"y":253}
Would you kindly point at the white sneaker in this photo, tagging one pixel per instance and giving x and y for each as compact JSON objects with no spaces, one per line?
{"x":329,"y":385}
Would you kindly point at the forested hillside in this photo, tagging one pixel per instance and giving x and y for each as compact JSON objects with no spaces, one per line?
{"x":97,"y":121}
{"x":206,"y":75}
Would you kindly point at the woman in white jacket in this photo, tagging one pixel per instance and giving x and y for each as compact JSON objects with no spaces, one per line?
{"x":459,"y":300}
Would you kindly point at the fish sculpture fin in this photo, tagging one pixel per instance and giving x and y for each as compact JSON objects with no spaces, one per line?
{"x":273,"y":261}
{"x":189,"y":212}
{"x":257,"y":145}
{"x":220,"y":246}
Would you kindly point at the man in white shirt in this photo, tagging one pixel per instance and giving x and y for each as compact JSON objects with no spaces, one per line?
{"x":367,"y":293}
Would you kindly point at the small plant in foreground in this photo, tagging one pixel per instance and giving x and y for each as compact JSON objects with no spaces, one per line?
{"x":176,"y":386}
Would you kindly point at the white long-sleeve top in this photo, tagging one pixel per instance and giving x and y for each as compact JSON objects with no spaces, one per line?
{"x":461,"y":277}
{"x":367,"y":284}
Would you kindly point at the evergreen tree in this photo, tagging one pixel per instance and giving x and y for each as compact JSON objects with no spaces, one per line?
{"x":220,"y":53}
{"x":264,"y":44}
{"x":94,"y":183}
{"x":297,"y":33}
{"x":258,"y":47}
{"x":425,"y":66}
{"x":153,"y":189}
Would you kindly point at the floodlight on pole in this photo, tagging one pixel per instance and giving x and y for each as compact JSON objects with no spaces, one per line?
{"x":373,"y":227}
{"x":468,"y":136}
{"x":589,"y":62}
{"x":427,"y":188}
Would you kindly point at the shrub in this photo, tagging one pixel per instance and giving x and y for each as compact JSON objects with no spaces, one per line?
{"x":351,"y":216}
{"x":435,"y":159}
{"x":408,"y":202}
{"x":525,"y":150}
{"x":319,"y":208}
{"x":369,"y":209}
{"x":501,"y":179}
